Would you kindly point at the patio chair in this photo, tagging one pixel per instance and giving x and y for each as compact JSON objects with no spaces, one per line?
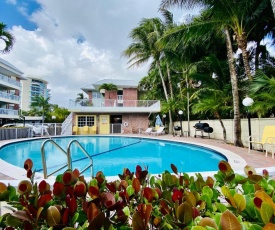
{"x":267,"y":140}
{"x":85,"y":130}
{"x":160,"y":131}
{"x":92,"y":130}
{"x":75,"y":130}
{"x":148,"y":131}
{"x":270,"y":145}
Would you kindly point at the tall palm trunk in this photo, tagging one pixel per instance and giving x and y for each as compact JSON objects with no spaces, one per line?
{"x":235,"y":93}
{"x":242,"y":44}
{"x":223,"y":128}
{"x":171,"y":96}
{"x":166,"y":96}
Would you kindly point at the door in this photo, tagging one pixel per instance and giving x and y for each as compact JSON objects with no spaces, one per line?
{"x":104,"y":124}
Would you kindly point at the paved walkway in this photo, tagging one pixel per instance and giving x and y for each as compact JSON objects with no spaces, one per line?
{"x":255,"y":159}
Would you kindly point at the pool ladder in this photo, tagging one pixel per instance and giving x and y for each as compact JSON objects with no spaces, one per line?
{"x":67,"y":153}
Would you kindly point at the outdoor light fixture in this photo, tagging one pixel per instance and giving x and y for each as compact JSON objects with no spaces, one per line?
{"x":248,"y":102}
{"x":180,"y":114}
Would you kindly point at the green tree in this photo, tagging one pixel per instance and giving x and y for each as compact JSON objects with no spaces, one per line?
{"x":108,"y":87}
{"x":262,"y":90}
{"x":214,"y":96}
{"x":6,"y":37}
{"x":144,"y":48}
{"x":41,"y":103}
{"x":60,"y":113}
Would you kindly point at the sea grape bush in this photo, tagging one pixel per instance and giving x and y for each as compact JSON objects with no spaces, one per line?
{"x":139,"y":201}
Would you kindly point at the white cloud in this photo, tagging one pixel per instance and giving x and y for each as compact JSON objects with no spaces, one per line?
{"x":54,"y":52}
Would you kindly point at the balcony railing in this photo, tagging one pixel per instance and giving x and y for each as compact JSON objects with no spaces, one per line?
{"x":113,"y":105}
{"x":9,"y":80}
{"x":9,"y":96}
{"x":8,"y":112}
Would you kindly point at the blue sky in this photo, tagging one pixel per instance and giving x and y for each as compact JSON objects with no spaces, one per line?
{"x":17,"y":12}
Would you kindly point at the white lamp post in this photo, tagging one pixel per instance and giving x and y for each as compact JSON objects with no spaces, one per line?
{"x":248,"y":102}
{"x":180,"y":114}
{"x":164,"y":117}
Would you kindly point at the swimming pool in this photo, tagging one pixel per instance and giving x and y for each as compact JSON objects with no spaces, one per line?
{"x":111,"y":154}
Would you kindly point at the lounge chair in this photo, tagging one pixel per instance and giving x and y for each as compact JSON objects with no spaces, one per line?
{"x":148,"y":131}
{"x":160,"y":131}
{"x":268,"y":139}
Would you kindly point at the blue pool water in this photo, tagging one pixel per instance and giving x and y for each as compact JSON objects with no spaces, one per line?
{"x":112,"y":154}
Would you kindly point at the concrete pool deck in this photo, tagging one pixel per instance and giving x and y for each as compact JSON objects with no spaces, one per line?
{"x":238,"y":157}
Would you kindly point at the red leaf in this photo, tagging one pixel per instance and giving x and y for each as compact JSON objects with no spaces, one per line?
{"x":111,"y":186}
{"x":136,"y":185}
{"x":149,"y":194}
{"x":58,"y":188}
{"x":93,"y":192}
{"x":28,"y":164}
{"x":65,"y":217}
{"x":72,"y":206}
{"x":43,"y":200}
{"x":92,"y":212}
{"x":42,"y":186}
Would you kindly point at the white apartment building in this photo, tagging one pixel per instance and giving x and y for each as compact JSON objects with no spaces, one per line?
{"x":32,"y":87}
{"x":10,"y":89}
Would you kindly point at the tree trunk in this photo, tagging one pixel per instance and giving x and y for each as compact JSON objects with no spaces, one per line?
{"x":172,"y":96}
{"x":166,"y":97}
{"x":223,"y":128}
{"x":235,"y":92}
{"x":170,"y":83}
{"x":242,"y":44}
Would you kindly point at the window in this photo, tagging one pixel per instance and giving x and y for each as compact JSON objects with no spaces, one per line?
{"x":85,"y":121}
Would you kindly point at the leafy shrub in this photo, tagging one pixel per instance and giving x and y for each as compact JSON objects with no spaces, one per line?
{"x":138,"y":200}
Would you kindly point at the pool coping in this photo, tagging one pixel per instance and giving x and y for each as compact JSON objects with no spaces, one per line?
{"x":237,"y":162}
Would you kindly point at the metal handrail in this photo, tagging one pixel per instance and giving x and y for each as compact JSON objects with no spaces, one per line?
{"x":84,"y":151}
{"x":69,"y":164}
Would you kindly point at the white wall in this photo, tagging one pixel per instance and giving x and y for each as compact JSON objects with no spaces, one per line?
{"x":257,"y":126}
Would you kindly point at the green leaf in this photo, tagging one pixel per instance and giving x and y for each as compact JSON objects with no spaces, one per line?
{"x":208,"y":201}
{"x":75,"y":217}
{"x":59,"y":178}
{"x":14,"y":222}
{"x":184,"y":213}
{"x":248,"y":188}
{"x":126,"y":211}
{"x":240,"y":202}
{"x":207,"y":191}
{"x":255,"y":227}
{"x":197,"y":228}
{"x":130,"y":190}
{"x":221,"y":207}
{"x":266,"y":212}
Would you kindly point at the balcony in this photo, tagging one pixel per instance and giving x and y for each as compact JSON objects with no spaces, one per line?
{"x":107,"y":106}
{"x":9,"y":98}
{"x":9,"y":82}
{"x":8,"y":113}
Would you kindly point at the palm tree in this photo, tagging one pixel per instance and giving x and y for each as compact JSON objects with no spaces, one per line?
{"x":108,"y":87}
{"x":43,"y":104}
{"x":144,"y":48}
{"x":214,"y":96}
{"x":262,"y":89}
{"x":6,"y":37}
